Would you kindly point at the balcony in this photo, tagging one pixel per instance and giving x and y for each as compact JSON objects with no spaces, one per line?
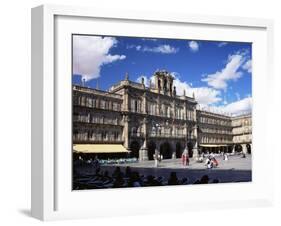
{"x":217,"y":142}
{"x":239,"y":133}
{"x":97,"y":122}
{"x":110,"y":140}
{"x":137,"y":135}
{"x":216,"y":132}
{"x":191,"y":137}
{"x":167,"y":135}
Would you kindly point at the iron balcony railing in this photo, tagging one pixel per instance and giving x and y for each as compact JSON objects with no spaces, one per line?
{"x":97,"y":140}
{"x":166,"y":135}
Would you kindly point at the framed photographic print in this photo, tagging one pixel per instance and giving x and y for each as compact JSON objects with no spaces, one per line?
{"x":137,"y":113}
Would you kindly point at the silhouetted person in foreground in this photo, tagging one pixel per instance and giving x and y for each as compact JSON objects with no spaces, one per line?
{"x":128,"y":172}
{"x":117,"y":172}
{"x":173,"y":180}
{"x":135,"y":180}
{"x":204,"y":179}
{"x":119,"y":182}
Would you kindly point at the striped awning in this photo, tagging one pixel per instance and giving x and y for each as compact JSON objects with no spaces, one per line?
{"x":99,"y":148}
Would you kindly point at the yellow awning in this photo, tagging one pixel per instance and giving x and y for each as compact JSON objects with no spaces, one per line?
{"x":213,"y":145}
{"x":99,"y":148}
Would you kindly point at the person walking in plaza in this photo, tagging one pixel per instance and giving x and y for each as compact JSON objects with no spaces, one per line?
{"x":225,"y":156}
{"x":209,"y":163}
{"x":156,"y":158}
{"x":184,"y":157}
{"x":215,"y":162}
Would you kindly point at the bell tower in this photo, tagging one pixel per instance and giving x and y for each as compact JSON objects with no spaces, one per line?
{"x":163,"y":81}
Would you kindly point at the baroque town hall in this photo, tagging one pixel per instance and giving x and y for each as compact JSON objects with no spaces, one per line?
{"x":137,"y":120}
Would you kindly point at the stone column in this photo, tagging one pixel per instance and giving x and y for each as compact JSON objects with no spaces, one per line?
{"x":162,"y":86}
{"x":185,"y":111}
{"x":168,"y":87}
{"x":158,"y":106}
{"x":126,"y":119}
{"x":143,"y":155}
{"x":244,"y":149}
{"x":110,"y":105}
{"x":144,"y":104}
{"x":186,"y":133}
{"x":174,"y":129}
{"x":126,"y":102}
{"x":195,"y":147}
{"x":126,"y":131}
{"x":174,"y":109}
{"x":233,"y":149}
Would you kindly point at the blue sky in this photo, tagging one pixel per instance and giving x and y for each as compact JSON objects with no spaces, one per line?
{"x":218,"y":73}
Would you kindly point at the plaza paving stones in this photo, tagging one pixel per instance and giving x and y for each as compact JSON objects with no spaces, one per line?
{"x":236,"y":169}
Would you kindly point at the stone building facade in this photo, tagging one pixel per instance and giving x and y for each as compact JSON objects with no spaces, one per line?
{"x":144,"y":119}
{"x":214,"y":131}
{"x":221,"y":133}
{"x":242,"y":133}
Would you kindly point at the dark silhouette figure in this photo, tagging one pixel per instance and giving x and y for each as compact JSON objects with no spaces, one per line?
{"x":173,"y":180}
{"x":204,"y":179}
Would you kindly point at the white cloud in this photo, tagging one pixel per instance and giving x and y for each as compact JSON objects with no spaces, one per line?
{"x":194,"y":46}
{"x":165,"y":49}
{"x":248,"y":66}
{"x":219,"y":79}
{"x":110,"y":58}
{"x":238,"y":107}
{"x":90,"y":53}
{"x":203,"y":95}
{"x":224,"y":100}
{"x":221,"y":44}
{"x":175,"y":74}
{"x":237,"y":96}
{"x":138,"y":48}
{"x":150,"y":39}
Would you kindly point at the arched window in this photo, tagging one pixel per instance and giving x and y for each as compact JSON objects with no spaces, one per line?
{"x":134,"y":130}
{"x":116,"y":135}
{"x":136,"y":106}
{"x":83,"y":100}
{"x":76,"y":100}
{"x":165,"y":85}
{"x":102,"y":104}
{"x":153,"y":130}
{"x":104,"y":135}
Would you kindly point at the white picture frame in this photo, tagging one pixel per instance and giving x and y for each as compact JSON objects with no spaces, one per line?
{"x":52,"y":197}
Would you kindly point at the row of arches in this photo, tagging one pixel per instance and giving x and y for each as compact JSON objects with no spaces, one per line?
{"x":166,"y":149}
{"x":237,"y":148}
